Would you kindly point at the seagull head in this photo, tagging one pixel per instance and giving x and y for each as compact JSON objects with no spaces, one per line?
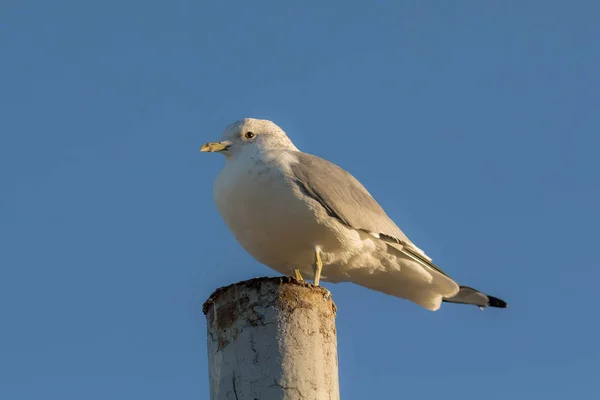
{"x":249,"y":136}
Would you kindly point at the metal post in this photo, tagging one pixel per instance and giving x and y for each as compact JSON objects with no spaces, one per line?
{"x":272,"y":339}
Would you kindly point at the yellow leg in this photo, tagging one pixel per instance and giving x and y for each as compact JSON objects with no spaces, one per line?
{"x":298,"y":275}
{"x":318,"y":266}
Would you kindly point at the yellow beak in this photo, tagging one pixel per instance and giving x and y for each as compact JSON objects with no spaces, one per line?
{"x":214,"y":147}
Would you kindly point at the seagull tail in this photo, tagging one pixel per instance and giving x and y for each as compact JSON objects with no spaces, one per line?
{"x":468,"y":295}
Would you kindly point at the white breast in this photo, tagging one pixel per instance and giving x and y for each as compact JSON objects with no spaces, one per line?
{"x":260,"y":206}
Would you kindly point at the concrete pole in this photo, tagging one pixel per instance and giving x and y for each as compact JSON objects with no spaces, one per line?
{"x":272,"y":339}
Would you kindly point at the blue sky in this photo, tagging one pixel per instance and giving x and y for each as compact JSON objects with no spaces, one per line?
{"x":474,"y":124}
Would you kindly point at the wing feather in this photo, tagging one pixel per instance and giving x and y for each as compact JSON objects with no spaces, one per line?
{"x":345,"y":198}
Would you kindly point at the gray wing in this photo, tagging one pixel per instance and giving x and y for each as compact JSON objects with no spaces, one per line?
{"x":346,"y":199}
{"x":343,"y":196}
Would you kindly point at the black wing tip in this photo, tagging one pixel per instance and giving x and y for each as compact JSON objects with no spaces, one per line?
{"x":491,"y":300}
{"x":496,"y":302}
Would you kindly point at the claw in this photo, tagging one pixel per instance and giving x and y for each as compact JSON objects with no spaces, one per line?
{"x":298,"y":275}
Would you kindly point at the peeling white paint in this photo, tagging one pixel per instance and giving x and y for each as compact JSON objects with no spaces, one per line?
{"x":272,"y":339}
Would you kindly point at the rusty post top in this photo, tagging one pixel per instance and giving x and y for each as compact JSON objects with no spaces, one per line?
{"x":257,"y":282}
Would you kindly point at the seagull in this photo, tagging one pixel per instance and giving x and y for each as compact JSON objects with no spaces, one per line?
{"x":304,"y":216}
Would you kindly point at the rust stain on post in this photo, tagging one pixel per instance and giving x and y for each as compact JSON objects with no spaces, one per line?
{"x":271,"y":338}
{"x":293,"y":297}
{"x":256,"y":282}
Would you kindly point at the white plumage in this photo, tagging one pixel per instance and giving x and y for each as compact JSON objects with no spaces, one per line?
{"x":283,"y":205}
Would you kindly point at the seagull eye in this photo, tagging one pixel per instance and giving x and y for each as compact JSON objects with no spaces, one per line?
{"x":249,"y":135}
